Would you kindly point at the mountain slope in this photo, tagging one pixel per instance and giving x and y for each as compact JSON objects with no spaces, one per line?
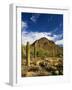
{"x":47,"y":48}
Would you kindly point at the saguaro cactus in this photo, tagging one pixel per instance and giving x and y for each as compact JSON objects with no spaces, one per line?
{"x":28,"y":54}
{"x":35,"y":49}
{"x":53,"y":51}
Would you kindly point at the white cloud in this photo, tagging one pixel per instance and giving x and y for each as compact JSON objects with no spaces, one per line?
{"x":57,"y":37}
{"x":32,"y":36}
{"x":23,"y":25}
{"x":59,"y":42}
{"x":35,"y":17}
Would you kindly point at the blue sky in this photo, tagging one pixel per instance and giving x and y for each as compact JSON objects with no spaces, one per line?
{"x":35,"y":25}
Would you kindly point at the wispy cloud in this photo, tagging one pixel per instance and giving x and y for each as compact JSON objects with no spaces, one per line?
{"x":57,"y":37}
{"x":59,"y":42}
{"x":24,"y":25}
{"x":32,"y":36}
{"x":35,"y":17}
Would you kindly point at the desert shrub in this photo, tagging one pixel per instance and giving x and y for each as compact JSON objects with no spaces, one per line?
{"x":33,"y":68}
{"x":32,"y":54}
{"x":42,"y":53}
{"x":49,"y":68}
{"x":43,"y":73}
{"x":60,"y":67}
{"x":46,"y":54}
{"x":59,"y":54}
{"x":61,"y":72}
{"x":55,"y":72}
{"x":39,"y":53}
{"x":42,"y":64}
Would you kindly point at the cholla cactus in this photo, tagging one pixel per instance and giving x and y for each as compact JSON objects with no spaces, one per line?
{"x":28,"y":54}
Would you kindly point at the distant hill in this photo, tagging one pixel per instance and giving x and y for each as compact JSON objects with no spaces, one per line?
{"x":43,"y":48}
{"x":47,"y":47}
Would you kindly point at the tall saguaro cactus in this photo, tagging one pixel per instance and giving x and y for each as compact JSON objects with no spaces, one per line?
{"x":28,"y":54}
{"x":53,"y":51}
{"x":35,"y":49}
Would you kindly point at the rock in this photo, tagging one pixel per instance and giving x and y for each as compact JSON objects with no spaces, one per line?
{"x":57,"y":72}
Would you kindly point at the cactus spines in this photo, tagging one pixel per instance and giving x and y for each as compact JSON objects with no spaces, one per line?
{"x":28,"y":54}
